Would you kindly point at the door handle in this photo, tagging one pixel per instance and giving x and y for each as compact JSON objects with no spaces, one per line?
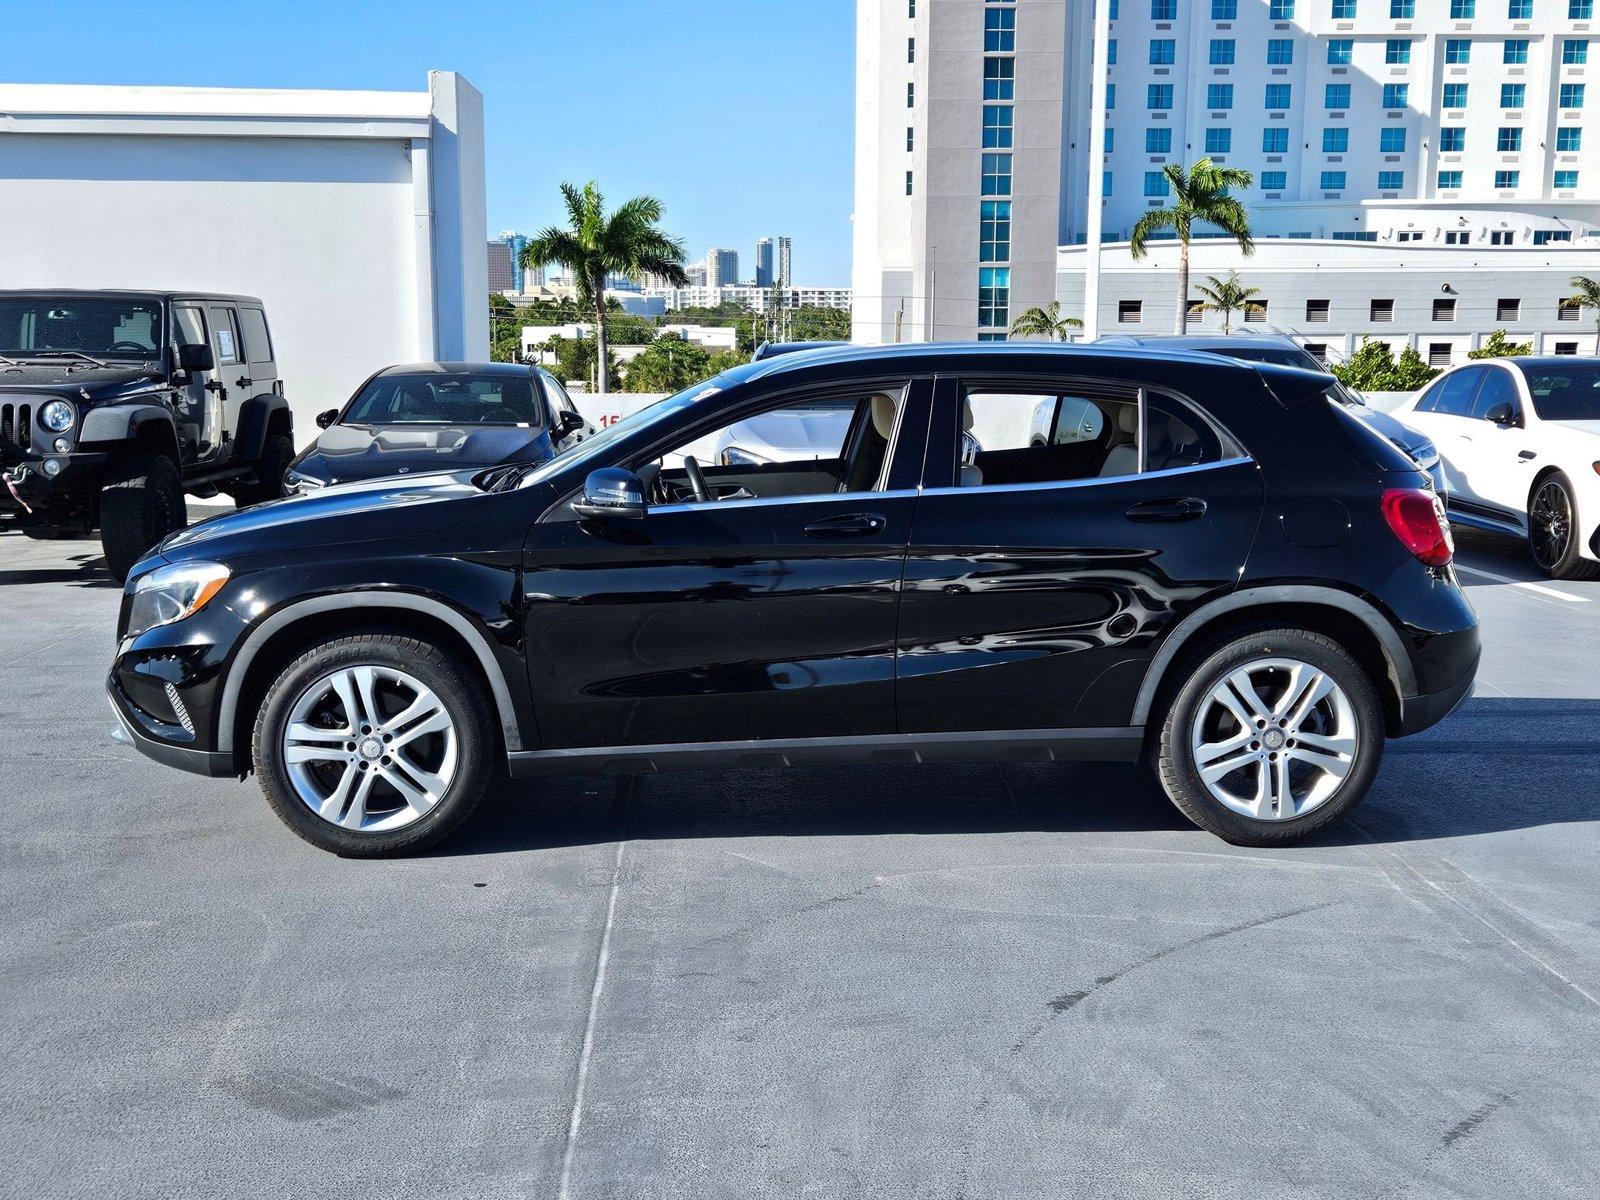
{"x":1187,"y":509}
{"x":244,"y":381}
{"x":847,"y":525}
{"x":1526,"y":455}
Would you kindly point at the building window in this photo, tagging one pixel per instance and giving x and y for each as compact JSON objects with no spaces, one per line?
{"x":911,"y":10}
{"x":1130,"y":312}
{"x":1111,"y":51}
{"x":1402,"y":10}
{"x":1543,"y":237}
{"x":1223,"y":51}
{"x":1340,"y":51}
{"x":1452,"y":139}
{"x":1219,"y":96}
{"x":994,"y":231}
{"x":911,"y":50}
{"x":1105,"y":184}
{"x":1111,"y":96}
{"x":999,"y":78}
{"x":909,"y":188}
{"x":1157,"y":184}
{"x":1455,"y":95}
{"x":1566,"y":347}
{"x":1163,"y":52}
{"x":1344,"y":10}
{"x":1439,"y":355}
{"x":1505,"y":181}
{"x":1444,"y":309}
{"x":1332,"y":181}
{"x":1275,"y":141}
{"x":1224,"y":10}
{"x":1408,"y":235}
{"x":1317,"y":311}
{"x":1274,"y":181}
{"x":1569,"y":139}
{"x":1336,"y":139}
{"x":1516,"y":51}
{"x":1000,"y":31}
{"x":1281,"y":10}
{"x":1380,"y":312}
{"x":1509,"y":139}
{"x":1457,"y":51}
{"x":1163,"y":10}
{"x":1278,"y":95}
{"x":1463,"y":10}
{"x":1580,"y":10}
{"x":1391,"y":181}
{"x":1520,"y":10}
{"x":1568,"y":312}
{"x":1571,"y":95}
{"x":997,"y":174}
{"x":1336,"y":96}
{"x":1256,"y":315}
{"x":1111,"y":139}
{"x":1449,"y":181}
{"x":997,"y":120}
{"x":994,"y":298}
{"x":1354,"y":235}
{"x":1566,"y":180}
{"x":1158,"y":96}
{"x":1575,"y":51}
{"x":1317,"y":350}
{"x":1280,"y":52}
{"x":1392,"y":141}
{"x":1513,"y":95}
{"x":1502,"y":237}
{"x":1158,"y":141}
{"x":1219,"y":141}
{"x":911,"y":139}
{"x":1394,"y":94}
{"x":1457,"y":237}
{"x":1397,"y":51}
{"x":1507,"y":311}
{"x":911,"y":95}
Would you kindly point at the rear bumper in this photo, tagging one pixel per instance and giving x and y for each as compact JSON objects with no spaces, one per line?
{"x":1429,"y":708}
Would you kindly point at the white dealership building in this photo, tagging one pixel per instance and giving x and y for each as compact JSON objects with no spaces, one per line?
{"x":358,"y":217}
{"x":1424,"y":169}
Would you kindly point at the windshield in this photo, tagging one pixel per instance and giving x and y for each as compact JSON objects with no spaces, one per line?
{"x":645,"y":417}
{"x":437,"y":398}
{"x":65,"y":326}
{"x":1565,"y":393}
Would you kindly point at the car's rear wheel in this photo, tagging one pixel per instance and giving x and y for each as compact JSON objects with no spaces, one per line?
{"x":1273,"y":736}
{"x":1554,"y":535}
{"x":141,"y":503}
{"x":276,"y":454}
{"x":374,"y":744}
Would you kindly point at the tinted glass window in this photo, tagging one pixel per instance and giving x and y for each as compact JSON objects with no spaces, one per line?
{"x":1176,"y":436}
{"x":1565,"y":393}
{"x":1047,"y":437}
{"x":257,"y":343}
{"x":61,"y":324}
{"x":1455,"y":397}
{"x":1498,"y":388}
{"x":556,"y":394}
{"x":442,"y":399}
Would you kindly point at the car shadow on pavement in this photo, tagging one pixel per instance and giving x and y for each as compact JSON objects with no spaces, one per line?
{"x":1496,"y":765}
{"x":87,"y":570}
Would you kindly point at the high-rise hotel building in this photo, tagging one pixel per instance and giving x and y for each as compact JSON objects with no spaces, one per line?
{"x":1425,"y":171}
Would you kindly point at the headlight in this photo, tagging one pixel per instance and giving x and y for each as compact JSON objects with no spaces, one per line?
{"x":732,"y":456}
{"x":173,"y":593}
{"x":58,"y":416}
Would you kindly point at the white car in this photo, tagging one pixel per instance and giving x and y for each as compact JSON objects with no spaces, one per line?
{"x":1519,"y":453}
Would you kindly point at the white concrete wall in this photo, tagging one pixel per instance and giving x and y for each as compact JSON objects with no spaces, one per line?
{"x":349,"y":214}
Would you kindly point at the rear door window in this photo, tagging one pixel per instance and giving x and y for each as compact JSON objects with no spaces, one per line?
{"x":257,"y":341}
{"x":225,"y":335}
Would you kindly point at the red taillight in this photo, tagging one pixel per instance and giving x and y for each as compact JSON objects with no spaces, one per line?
{"x":1418,"y":520}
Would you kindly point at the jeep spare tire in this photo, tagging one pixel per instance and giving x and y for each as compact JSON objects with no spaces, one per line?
{"x":141,"y":503}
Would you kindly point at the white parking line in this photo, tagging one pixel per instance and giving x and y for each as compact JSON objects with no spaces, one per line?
{"x":1524,"y":583}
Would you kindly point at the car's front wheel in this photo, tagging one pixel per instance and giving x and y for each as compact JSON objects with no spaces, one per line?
{"x":1554,"y":535}
{"x":1272,"y":736}
{"x":374,"y":744}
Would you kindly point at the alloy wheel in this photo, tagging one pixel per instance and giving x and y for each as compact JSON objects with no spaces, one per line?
{"x":1274,"y":739}
{"x":1550,"y":529}
{"x":370,"y":748}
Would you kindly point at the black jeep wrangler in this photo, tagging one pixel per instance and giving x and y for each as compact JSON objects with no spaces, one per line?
{"x":114,"y":404}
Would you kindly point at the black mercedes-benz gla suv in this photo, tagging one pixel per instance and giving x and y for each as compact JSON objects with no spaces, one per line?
{"x":1205,"y":564}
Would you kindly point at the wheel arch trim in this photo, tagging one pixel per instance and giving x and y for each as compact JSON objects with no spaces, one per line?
{"x":1394,"y":649}
{"x":258,"y":638}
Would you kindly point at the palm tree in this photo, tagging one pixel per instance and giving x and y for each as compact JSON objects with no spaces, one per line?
{"x":1201,"y":194}
{"x":626,"y":242}
{"x":1587,"y":296}
{"x":1045,"y":322}
{"x":1229,"y":296}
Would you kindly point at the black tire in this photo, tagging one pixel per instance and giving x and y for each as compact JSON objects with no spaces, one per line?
{"x":438,"y":669}
{"x":1175,"y":759}
{"x":1555,"y":551}
{"x":276,"y":454}
{"x":141,"y":503}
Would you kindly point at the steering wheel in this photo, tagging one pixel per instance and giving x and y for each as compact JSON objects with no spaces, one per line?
{"x":133,"y":346}
{"x":697,"y":481}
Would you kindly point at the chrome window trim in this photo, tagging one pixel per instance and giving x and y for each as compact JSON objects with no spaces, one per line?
{"x":1237,"y":460}
{"x":764,"y":501}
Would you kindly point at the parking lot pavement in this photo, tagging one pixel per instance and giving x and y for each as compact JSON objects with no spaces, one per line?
{"x":887,"y":982}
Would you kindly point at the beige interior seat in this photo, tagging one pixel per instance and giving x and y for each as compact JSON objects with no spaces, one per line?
{"x":969,"y":474}
{"x":1123,"y":457}
{"x":884,"y":410}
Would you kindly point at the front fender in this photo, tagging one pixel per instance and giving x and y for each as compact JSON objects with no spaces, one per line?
{"x":126,"y":422}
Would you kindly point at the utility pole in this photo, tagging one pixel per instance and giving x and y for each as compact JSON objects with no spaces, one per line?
{"x":1094,"y":213}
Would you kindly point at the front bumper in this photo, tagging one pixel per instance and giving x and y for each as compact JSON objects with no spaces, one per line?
{"x":157,"y":741}
{"x":75,"y":473}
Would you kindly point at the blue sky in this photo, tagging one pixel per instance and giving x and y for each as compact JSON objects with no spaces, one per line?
{"x":738,"y":115}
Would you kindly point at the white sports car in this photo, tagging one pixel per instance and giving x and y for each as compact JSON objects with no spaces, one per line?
{"x":1519,"y":451}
